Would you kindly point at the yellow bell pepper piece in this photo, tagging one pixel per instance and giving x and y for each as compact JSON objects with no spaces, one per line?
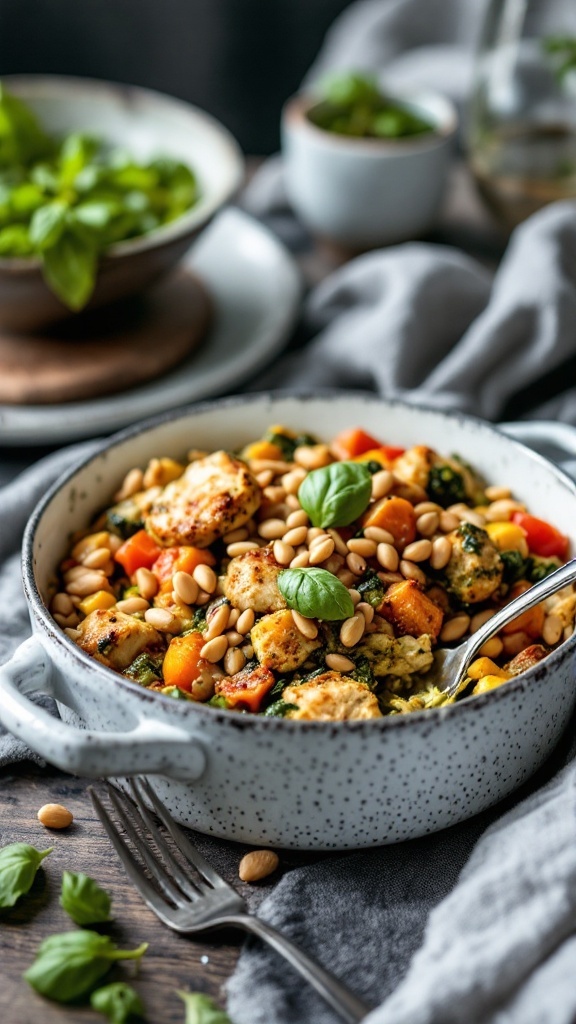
{"x":508,"y":537}
{"x":262,"y":450}
{"x":488,"y":683}
{"x":374,"y":455}
{"x":95,"y":602}
{"x":486,"y":667}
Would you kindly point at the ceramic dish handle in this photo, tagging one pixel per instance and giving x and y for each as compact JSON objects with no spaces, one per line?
{"x":148,"y":748}
{"x":547,"y":433}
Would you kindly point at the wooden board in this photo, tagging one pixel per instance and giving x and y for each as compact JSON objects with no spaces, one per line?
{"x":106,"y":350}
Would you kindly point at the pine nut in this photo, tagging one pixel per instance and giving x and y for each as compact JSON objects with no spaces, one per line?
{"x":495,"y":493}
{"x":114,"y":543}
{"x":418,"y":551}
{"x":132,"y":483}
{"x":265,"y":477}
{"x":387,"y":556}
{"x":74,"y":634}
{"x":75,"y":573}
{"x":161,"y":619}
{"x":382,"y":483}
{"x":62,"y":604}
{"x":356,"y":564}
{"x":274,"y":495}
{"x":455,"y":628}
{"x":205,"y":578}
{"x":247,"y":651}
{"x":66,"y":621}
{"x":217,"y":622}
{"x":235,"y":535}
{"x":366,"y":610}
{"x":298,"y":519}
{"x":297,"y":535}
{"x":515,"y":643}
{"x":132,"y":604}
{"x":480,"y":618}
{"x":390,"y":577}
{"x":245,"y":621}
{"x":241,"y":547}
{"x":320,"y":550}
{"x":339,"y":663}
{"x":428,"y":523}
{"x":502,"y":510}
{"x":96,"y":559}
{"x":272,"y":529}
{"x":233,"y":617}
{"x":411,"y":571}
{"x":313,"y":456}
{"x":278,"y":466}
{"x":424,"y":507}
{"x":202,"y":598}
{"x":185,"y":587}
{"x":234,"y":638}
{"x":346,"y":577}
{"x":300,"y":561}
{"x":307,"y":627}
{"x":147,"y":583}
{"x":215,"y":649}
{"x":441,"y":553}
{"x":283,"y":552}
{"x":448,"y":522}
{"x":291,"y":483}
{"x":352,"y":630}
{"x":552,"y":629}
{"x":339,"y":544}
{"x":55,"y":816}
{"x":234,"y":661}
{"x":313,"y":533}
{"x":362,"y":546}
{"x":568,"y":631}
{"x":492,"y":648}
{"x":292,"y":503}
{"x":476,"y":518}
{"x":257,"y":864}
{"x":88,"y":583}
{"x":355,"y":596}
{"x":379,"y":535}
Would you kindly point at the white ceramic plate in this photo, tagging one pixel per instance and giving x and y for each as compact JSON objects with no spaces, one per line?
{"x":255,"y":287}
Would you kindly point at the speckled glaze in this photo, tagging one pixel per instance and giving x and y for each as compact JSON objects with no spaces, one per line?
{"x":305,"y":785}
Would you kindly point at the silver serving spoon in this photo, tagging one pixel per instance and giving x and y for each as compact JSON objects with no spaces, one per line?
{"x":450,"y":664}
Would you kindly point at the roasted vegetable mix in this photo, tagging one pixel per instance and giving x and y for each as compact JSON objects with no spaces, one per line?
{"x":67,"y":200}
{"x":307,"y":580}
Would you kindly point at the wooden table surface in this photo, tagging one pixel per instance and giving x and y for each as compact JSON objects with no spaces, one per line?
{"x":172,"y":961}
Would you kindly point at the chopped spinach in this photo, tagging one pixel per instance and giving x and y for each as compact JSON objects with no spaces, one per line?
{"x":473,"y":538}
{"x":218,"y":701}
{"x":371,"y":588}
{"x":538,"y":568}
{"x":104,"y":645}
{"x":145,"y":669}
{"x":280,"y":709}
{"x":515,"y":566}
{"x":446,"y":485}
{"x":175,"y":692}
{"x":373,"y":466}
{"x":124,"y":520}
{"x":363,"y":673}
{"x":288,"y":444}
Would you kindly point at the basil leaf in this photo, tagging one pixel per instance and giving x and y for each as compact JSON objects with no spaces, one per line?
{"x":336,"y":495}
{"x":200,"y":1009}
{"x":18,"y":866}
{"x":69,"y":268}
{"x":69,"y":965}
{"x":316,"y":593}
{"x":15,"y":241}
{"x":83,"y":899}
{"x":47,"y":224}
{"x":117,"y":1001}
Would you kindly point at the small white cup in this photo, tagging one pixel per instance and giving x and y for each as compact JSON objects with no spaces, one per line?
{"x":361,"y":192}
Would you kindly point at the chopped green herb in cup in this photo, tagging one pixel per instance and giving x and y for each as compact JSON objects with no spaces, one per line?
{"x":353,"y":104}
{"x":66,"y":201}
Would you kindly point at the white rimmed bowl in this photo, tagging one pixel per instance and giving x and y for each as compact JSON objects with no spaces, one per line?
{"x":306,"y":785}
{"x":147,"y":124}
{"x":361,"y":193}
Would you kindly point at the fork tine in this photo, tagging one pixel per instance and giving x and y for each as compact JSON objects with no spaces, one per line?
{"x":187,"y":885}
{"x":133,"y":869}
{"x":183,"y":844}
{"x":130,"y":820}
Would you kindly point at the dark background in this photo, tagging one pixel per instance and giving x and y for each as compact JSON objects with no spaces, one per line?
{"x":238,"y":59}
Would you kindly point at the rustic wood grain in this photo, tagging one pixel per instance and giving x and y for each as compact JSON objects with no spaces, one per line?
{"x":172,"y":961}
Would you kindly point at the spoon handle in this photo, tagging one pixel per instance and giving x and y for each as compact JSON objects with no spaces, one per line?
{"x":539,"y":592}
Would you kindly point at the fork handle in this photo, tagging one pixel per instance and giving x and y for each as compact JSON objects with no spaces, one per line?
{"x":345,"y":1003}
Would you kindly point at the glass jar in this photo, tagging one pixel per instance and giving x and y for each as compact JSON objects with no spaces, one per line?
{"x":521,"y":134}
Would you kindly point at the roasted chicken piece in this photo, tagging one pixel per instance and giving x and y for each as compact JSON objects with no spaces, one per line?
{"x":331,"y":697}
{"x":252,"y":582}
{"x":115,"y":638}
{"x":278,"y":643}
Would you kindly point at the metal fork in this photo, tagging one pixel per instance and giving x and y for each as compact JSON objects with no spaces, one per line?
{"x":191,"y":905}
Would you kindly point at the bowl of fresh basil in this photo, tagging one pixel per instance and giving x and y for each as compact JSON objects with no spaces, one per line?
{"x":103,"y":187}
{"x":364,"y":167}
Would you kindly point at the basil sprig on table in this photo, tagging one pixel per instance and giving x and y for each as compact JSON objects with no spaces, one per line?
{"x":336,"y":495}
{"x":118,"y":1002}
{"x":315,"y":593}
{"x":200,"y":1009}
{"x":83,"y":899}
{"x":66,"y":201}
{"x":69,"y":965}
{"x":18,"y":866}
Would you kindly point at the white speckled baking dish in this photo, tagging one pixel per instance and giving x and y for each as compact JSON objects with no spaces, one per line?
{"x":307,"y":785}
